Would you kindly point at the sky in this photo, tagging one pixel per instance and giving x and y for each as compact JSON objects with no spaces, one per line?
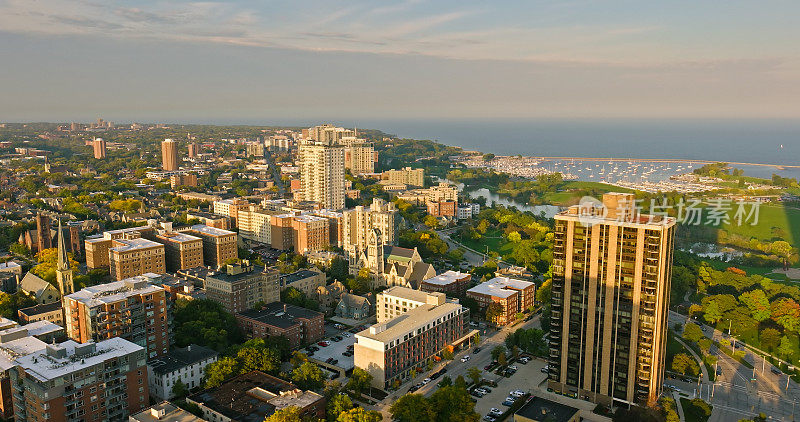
{"x":284,"y":61}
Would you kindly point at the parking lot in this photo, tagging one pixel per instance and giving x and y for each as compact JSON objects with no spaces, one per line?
{"x":527,"y":378}
{"x":335,"y":351}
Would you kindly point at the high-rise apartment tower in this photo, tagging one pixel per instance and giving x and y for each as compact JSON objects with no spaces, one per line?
{"x":610,"y":295}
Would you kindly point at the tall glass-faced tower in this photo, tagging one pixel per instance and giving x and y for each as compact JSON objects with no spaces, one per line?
{"x":610,"y":296}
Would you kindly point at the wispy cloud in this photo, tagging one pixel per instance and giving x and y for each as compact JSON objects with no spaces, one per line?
{"x":554,"y":31}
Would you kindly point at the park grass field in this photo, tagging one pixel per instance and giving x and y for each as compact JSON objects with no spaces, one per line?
{"x":493,"y":239}
{"x":771,"y":216}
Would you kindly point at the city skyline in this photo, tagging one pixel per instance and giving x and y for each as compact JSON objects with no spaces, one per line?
{"x":242,"y":61}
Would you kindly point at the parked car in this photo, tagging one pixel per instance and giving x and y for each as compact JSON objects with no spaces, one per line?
{"x":524,"y":360}
{"x":495,"y":411}
{"x":514,"y":367}
{"x":486,"y":389}
{"x":477,"y":393}
{"x":489,"y":418}
{"x":414,"y":388}
{"x":487,"y":367}
{"x":775,"y":370}
{"x":346,"y":334}
{"x":347,"y":353}
{"x":517,"y":393}
{"x":477,"y":349}
{"x":508,"y":403}
{"x":426,"y":381}
{"x":465,"y":358}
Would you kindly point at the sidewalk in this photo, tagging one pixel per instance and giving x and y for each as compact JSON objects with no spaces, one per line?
{"x":699,"y":360}
{"x":678,"y":406}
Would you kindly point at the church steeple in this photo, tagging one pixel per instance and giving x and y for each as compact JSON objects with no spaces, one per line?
{"x":63,"y":270}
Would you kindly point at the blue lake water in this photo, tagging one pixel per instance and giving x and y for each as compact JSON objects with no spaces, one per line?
{"x":751,"y":141}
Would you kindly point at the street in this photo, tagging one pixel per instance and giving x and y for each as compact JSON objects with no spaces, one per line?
{"x":735,"y":395}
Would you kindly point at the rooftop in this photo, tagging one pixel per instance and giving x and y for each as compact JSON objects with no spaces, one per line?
{"x":307,"y":218}
{"x":14,"y":349}
{"x":114,"y":291}
{"x":541,"y":409}
{"x":511,"y":282}
{"x":135,"y":244}
{"x":179,"y":358}
{"x":213,"y":231}
{"x":491,"y":289}
{"x":396,"y":328}
{"x":406,"y":293}
{"x":41,"y":309}
{"x":10,"y":265}
{"x":34,"y":329}
{"x":164,"y":411}
{"x":298,"y":275}
{"x":179,"y":237}
{"x":448,"y":277}
{"x":253,"y":396}
{"x":280,"y":314}
{"x":69,"y":357}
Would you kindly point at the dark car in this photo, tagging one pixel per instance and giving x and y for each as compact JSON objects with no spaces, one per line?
{"x":487,"y":367}
{"x":477,"y":349}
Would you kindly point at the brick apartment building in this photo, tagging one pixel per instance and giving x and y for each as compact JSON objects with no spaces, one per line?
{"x":300,"y":325}
{"x":132,"y":309}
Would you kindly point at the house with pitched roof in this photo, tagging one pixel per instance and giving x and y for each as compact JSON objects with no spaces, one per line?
{"x":41,"y":290}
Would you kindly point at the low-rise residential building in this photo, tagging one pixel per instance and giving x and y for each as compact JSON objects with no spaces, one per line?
{"x":132,"y":309}
{"x":305,"y":280}
{"x":454,"y":283}
{"x":164,"y":411}
{"x":328,"y":296}
{"x":52,"y":312}
{"x":540,"y":409}
{"x":467,"y":211}
{"x":512,"y":295}
{"x":254,"y":396}
{"x":442,"y":208}
{"x":353,"y":307}
{"x":405,"y":176}
{"x":241,"y":286}
{"x":186,"y":365}
{"x":391,"y":350}
{"x":68,"y":386}
{"x":299,"y":325}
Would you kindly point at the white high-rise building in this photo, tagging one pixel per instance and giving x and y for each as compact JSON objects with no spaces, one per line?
{"x":360,"y":158}
{"x":360,"y":221}
{"x":322,"y":174}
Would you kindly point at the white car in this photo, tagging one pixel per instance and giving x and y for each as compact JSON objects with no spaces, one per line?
{"x":346,"y":334}
{"x":495,"y":411}
{"x":426,"y":381}
{"x":514,"y":367}
{"x":517,"y":393}
{"x":465,"y":358}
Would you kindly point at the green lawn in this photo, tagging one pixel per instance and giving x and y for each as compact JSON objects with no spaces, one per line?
{"x":771,"y":217}
{"x":493,"y":238}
